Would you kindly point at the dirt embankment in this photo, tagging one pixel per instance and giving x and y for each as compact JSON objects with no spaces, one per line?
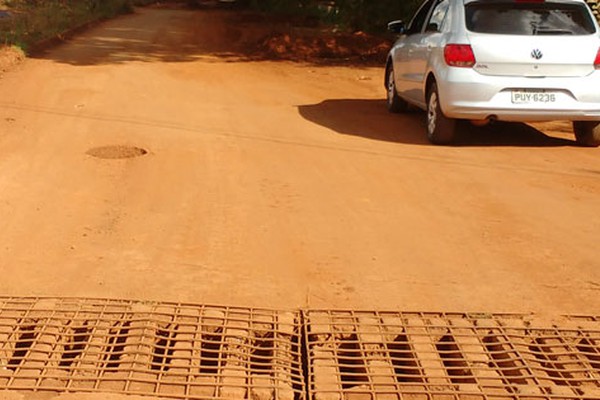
{"x":258,"y":36}
{"x":326,"y":46}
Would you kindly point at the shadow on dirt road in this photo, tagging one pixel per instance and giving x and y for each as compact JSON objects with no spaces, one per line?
{"x":369,"y":118}
{"x":165,"y":35}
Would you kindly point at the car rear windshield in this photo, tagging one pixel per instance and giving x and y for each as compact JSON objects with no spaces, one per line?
{"x":529,"y":18}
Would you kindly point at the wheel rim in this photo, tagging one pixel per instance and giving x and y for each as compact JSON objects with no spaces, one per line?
{"x":391,"y":86}
{"x":432,"y":113}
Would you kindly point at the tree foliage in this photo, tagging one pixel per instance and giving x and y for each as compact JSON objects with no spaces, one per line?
{"x":368,"y":15}
{"x":373,"y":14}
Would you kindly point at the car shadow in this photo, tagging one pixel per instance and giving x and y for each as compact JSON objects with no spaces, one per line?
{"x":369,"y":118}
{"x":365,"y":118}
{"x":508,"y":134}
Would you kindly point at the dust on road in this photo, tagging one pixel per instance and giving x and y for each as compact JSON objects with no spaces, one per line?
{"x":275,"y":184}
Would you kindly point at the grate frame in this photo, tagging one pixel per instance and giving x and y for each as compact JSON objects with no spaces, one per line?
{"x":171,"y":350}
{"x":442,"y":356}
{"x":188,"y":351}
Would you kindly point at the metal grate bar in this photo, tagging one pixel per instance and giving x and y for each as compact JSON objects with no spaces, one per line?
{"x":396,"y":355}
{"x":164,"y":349}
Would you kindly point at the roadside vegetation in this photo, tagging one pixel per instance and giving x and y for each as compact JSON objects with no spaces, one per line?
{"x":348,"y":15}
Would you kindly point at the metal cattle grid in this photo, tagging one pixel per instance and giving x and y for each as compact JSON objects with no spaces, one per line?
{"x":172,"y":350}
{"x":394,"y":355}
{"x":190,"y":352}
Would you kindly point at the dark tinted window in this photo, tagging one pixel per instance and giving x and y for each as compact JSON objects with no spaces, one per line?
{"x":525,"y":18}
{"x":416,"y":25}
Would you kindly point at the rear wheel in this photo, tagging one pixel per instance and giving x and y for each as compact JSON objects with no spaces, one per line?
{"x":587,"y":133}
{"x":395,"y":103}
{"x":440,"y":129}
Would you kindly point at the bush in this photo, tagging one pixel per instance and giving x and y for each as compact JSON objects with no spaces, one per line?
{"x":355,"y":15}
{"x":369,"y":15}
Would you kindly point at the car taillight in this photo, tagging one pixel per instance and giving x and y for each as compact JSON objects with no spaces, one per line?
{"x":459,"y":55}
{"x":597,"y":60}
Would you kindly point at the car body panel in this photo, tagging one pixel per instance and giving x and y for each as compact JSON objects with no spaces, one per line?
{"x":466,"y":94}
{"x":508,"y":55}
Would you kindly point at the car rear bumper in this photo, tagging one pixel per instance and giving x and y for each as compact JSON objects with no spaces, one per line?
{"x":466,"y":94}
{"x":473,"y":112}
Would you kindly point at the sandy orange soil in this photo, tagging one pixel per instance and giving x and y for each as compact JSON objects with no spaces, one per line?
{"x":276,"y":184}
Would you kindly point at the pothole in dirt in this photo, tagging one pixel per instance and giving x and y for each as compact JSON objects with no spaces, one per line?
{"x":116,"y":152}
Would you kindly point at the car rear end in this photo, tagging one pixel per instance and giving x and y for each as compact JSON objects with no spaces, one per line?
{"x":523,"y":60}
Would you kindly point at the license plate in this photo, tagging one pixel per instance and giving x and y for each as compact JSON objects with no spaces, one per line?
{"x":532,"y":97}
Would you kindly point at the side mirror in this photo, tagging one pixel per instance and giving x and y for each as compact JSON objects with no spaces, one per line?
{"x":396,"y":27}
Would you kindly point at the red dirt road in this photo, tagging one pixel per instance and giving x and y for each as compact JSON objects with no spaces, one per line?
{"x":275,"y":184}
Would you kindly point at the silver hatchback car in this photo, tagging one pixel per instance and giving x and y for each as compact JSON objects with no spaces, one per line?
{"x":508,"y":60}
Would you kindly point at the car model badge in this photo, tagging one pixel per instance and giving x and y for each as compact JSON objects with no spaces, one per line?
{"x":537,"y":54}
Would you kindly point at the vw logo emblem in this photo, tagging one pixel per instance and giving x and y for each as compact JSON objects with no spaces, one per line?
{"x":537,"y":54}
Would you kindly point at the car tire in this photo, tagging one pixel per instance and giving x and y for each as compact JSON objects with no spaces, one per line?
{"x":395,"y":104}
{"x":587,"y":133}
{"x":440,"y":129}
